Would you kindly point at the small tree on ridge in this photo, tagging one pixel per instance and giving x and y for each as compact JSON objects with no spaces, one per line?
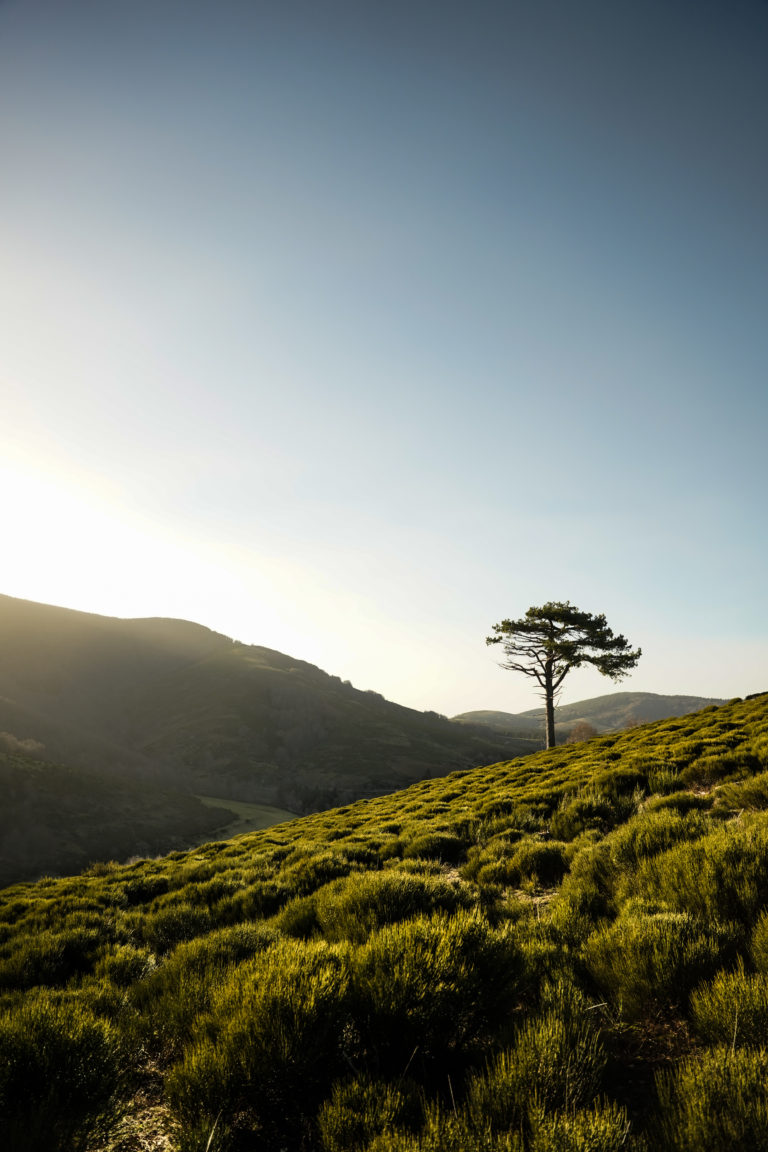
{"x":549,"y":641}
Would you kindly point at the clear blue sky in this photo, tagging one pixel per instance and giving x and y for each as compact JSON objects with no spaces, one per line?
{"x":352,"y":328}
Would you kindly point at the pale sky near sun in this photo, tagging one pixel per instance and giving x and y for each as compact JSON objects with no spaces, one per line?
{"x":350,"y":328}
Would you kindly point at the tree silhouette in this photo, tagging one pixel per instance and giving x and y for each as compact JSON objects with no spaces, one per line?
{"x":549,"y":641}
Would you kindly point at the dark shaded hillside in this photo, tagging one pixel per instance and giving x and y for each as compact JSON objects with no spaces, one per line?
{"x":55,"y":819}
{"x":259,"y":725}
{"x":567,"y":951}
{"x":170,"y":702}
{"x":605,"y":713}
{"x":503,"y":722}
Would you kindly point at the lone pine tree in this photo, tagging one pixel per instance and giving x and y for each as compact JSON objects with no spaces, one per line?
{"x":549,"y":641}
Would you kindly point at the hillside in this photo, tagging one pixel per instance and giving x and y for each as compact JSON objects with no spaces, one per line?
{"x":171,"y":703}
{"x":605,"y":713}
{"x":567,"y":951}
{"x":504,"y":722}
{"x":623,"y":709}
{"x":57,"y":819}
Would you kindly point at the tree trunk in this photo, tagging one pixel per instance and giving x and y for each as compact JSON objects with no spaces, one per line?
{"x":549,"y":704}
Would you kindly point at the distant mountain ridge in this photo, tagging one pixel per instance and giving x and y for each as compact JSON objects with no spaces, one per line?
{"x":605,"y":713}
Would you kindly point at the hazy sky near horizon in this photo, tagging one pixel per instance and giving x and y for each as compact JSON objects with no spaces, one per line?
{"x":351,"y":328}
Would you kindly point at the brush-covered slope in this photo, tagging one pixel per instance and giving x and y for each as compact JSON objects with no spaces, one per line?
{"x":567,"y":951}
{"x":174,"y":703}
{"x":605,"y":713}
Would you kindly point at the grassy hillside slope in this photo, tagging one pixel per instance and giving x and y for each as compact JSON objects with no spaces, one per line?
{"x":567,"y":951}
{"x":172,"y":703}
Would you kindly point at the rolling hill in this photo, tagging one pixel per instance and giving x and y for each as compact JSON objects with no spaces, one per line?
{"x":564,"y":951}
{"x":605,"y":713}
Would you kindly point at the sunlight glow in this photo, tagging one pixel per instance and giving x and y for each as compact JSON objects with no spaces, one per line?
{"x":70,"y":545}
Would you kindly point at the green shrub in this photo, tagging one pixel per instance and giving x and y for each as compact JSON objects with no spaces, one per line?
{"x":447,"y":1131}
{"x":655,"y":830}
{"x":201,"y":1097}
{"x":415,"y":866}
{"x":269,"y":1046}
{"x":221,"y":949}
{"x":717,"y":1101}
{"x":60,"y":1075}
{"x":680,"y":802}
{"x":259,"y":900}
{"x":646,"y":960}
{"x":483,"y":858}
{"x":298,"y":918}
{"x":169,"y":926}
{"x":143,"y":889}
{"x":438,"y":985}
{"x":123,"y":965}
{"x":602,"y":1128}
{"x":579,"y":814}
{"x":587,"y":890}
{"x":759,"y":943}
{"x":720,"y":876}
{"x":557,"y":1061}
{"x":664,"y":779}
{"x":169,"y":1006}
{"x":308,"y":868}
{"x":732,"y":1009}
{"x":544,"y":862}
{"x":362,"y":1109}
{"x":350,"y":909}
{"x":172,"y":998}
{"x":443,"y":846}
{"x":751,"y":794}
{"x":760,"y":749}
{"x":622,"y":784}
{"x":713,"y":768}
{"x":51,"y":958}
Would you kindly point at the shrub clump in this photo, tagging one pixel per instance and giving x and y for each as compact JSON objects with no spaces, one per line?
{"x":443,"y":846}
{"x":531,"y":861}
{"x":579,"y":814}
{"x":271,"y":1039}
{"x":361,"y":1109}
{"x":716,"y":1102}
{"x":732,"y":1009}
{"x":653,"y":959}
{"x":169,"y":926}
{"x":557,"y":1061}
{"x":352,"y":908}
{"x":604,"y":1127}
{"x":759,"y":943}
{"x":61,"y":1073}
{"x":720,"y":876}
{"x":435,"y":985}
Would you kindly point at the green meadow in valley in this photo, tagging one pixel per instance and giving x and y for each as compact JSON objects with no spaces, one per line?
{"x":565,"y":951}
